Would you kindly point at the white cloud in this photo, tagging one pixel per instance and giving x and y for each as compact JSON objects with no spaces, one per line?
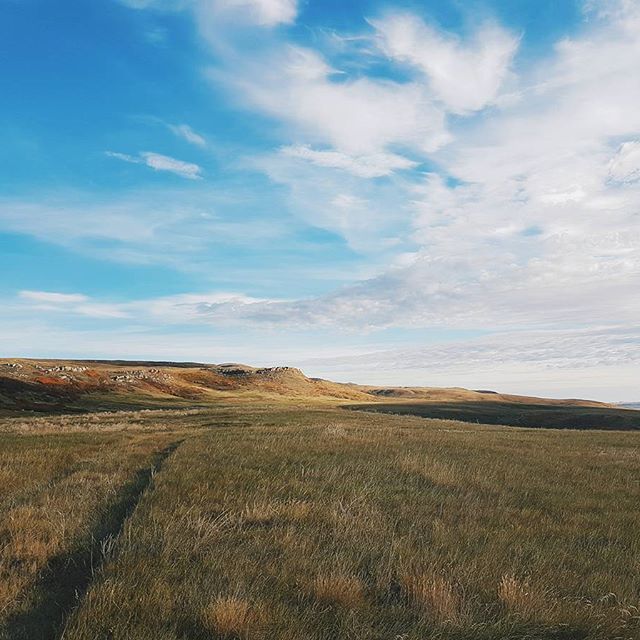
{"x":297,"y":86}
{"x":181,"y":228}
{"x":465,"y":76}
{"x":625,"y":165}
{"x":531,"y":214}
{"x":601,"y":363}
{"x":53,"y":297}
{"x":360,"y":115}
{"x":75,"y":303}
{"x":185,"y":132}
{"x":160,"y":162}
{"x":125,"y":157}
{"x":548,"y":350}
{"x":369,"y":166}
{"x":364,"y":212}
{"x":176,"y":309}
{"x":264,"y":13}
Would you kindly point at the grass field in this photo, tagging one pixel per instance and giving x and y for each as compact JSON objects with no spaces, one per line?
{"x":248,"y":520}
{"x":520,"y":414}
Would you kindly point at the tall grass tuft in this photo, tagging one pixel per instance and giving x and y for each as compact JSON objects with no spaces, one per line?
{"x":228,"y":617}
{"x":518,"y":597}
{"x":338,"y":589}
{"x":435,"y":596}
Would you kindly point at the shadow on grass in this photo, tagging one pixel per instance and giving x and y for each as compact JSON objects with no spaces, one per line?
{"x":67,"y":577}
{"x":514,"y":414}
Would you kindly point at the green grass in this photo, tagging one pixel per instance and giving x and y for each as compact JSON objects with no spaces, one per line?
{"x":314,"y":523}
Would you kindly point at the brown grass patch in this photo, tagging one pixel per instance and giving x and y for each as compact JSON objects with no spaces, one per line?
{"x":518,"y":597}
{"x":229,"y":617}
{"x":338,"y":590}
{"x":267,"y":513}
{"x":296,"y":509}
{"x":259,"y":513}
{"x":436,"y":596}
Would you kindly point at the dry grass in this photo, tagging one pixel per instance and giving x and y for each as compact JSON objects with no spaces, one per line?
{"x":518,"y":597}
{"x":318,"y":523}
{"x":228,"y":617}
{"x":297,"y":509}
{"x":44,"y":518}
{"x":264,"y":513}
{"x":260,"y":513}
{"x":435,"y":596}
{"x":338,"y":590}
{"x":153,"y":420}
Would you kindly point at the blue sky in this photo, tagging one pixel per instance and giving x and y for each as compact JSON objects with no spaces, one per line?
{"x":441,"y":193}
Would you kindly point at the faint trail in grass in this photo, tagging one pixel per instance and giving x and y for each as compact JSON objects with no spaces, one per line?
{"x":67,"y":577}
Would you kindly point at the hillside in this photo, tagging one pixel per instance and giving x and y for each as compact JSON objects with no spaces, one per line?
{"x":459,"y":394}
{"x":49,"y":385}
{"x":46,"y":386}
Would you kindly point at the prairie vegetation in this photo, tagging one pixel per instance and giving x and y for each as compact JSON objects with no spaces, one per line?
{"x":255,"y":521}
{"x":530,"y":414}
{"x":61,"y":497}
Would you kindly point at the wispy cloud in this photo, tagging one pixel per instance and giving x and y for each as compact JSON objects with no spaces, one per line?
{"x":178,"y":309}
{"x":180,"y":227}
{"x":351,"y":115}
{"x":599,"y":362}
{"x":52,"y":297}
{"x":263,"y":12}
{"x":464,"y":76}
{"x":547,"y":350}
{"x":160,"y":162}
{"x":185,"y":132}
{"x":266,"y":13}
{"x":75,"y":303}
{"x":625,"y":164}
{"x":368,"y":166}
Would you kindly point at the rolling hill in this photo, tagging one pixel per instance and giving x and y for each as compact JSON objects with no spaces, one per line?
{"x":64,"y":386}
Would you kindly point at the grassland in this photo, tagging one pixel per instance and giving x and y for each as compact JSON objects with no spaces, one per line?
{"x":253,"y":520}
{"x":63,"y":491}
{"x":517,"y":414}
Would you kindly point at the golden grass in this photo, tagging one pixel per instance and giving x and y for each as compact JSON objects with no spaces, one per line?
{"x":228,"y":616}
{"x":42,"y":517}
{"x":338,"y":589}
{"x":435,"y":596}
{"x":297,"y":509}
{"x":318,"y":523}
{"x":141,"y":420}
{"x":259,"y":513}
{"x":519,"y":597}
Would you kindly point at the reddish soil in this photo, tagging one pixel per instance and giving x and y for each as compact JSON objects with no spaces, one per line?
{"x":51,"y":381}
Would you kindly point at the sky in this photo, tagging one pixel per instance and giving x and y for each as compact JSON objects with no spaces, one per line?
{"x":431,"y":192}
